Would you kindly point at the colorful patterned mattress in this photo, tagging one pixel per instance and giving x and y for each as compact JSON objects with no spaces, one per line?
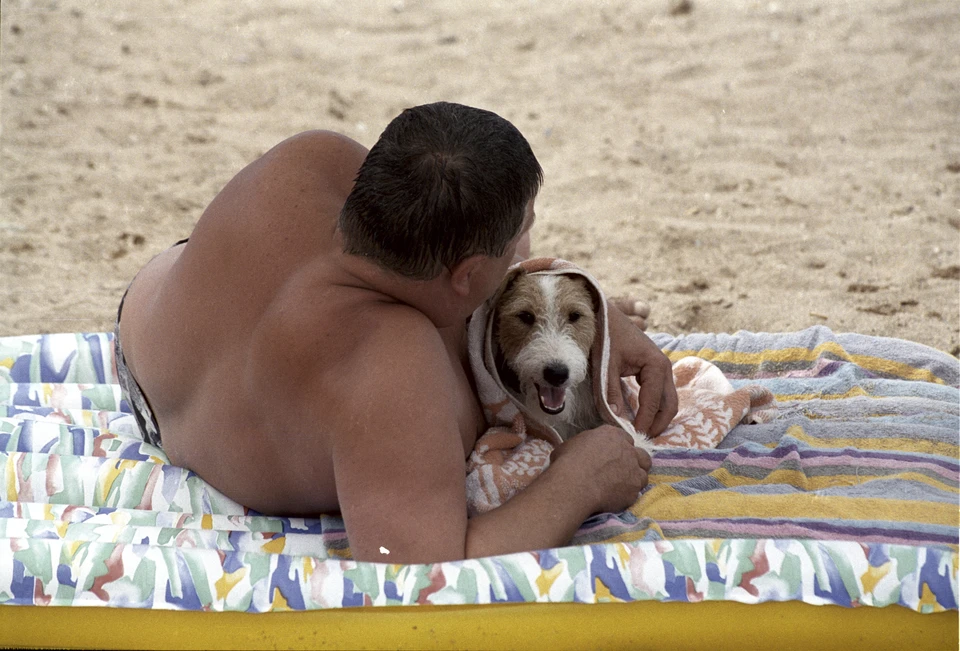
{"x":849,"y":498}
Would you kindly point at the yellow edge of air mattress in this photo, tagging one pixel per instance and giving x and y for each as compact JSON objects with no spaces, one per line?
{"x":638,"y":625}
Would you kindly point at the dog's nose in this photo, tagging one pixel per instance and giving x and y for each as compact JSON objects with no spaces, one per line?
{"x":556,"y":374}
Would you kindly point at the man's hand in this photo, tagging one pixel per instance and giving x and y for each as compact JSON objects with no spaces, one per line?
{"x":634,"y":353}
{"x":608,"y":468}
{"x":596,"y":471}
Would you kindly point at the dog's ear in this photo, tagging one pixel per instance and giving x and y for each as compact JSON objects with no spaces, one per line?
{"x":510,"y":280}
{"x":594,"y":295}
{"x":507,"y":375}
{"x":505,"y":286}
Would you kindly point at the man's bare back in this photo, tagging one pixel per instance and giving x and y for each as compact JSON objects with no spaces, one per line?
{"x":299,"y":379}
{"x":259,"y":277}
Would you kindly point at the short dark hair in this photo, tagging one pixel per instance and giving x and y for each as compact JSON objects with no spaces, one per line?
{"x":443,"y":182}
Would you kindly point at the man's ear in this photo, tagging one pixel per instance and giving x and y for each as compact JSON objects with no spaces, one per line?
{"x":463,"y":274}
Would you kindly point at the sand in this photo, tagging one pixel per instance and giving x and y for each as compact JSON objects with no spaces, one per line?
{"x":764,"y":166}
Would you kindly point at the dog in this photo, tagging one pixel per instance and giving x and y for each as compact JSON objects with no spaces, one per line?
{"x":544,"y":329}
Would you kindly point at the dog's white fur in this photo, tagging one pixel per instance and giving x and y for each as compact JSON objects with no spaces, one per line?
{"x":559,"y":337}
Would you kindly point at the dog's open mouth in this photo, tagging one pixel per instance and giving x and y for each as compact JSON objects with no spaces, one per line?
{"x":552,"y":399}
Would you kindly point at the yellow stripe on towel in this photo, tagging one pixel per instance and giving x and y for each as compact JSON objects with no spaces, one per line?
{"x":663,"y":503}
{"x":806,"y":482}
{"x":852,"y":392}
{"x":892,"y":444}
{"x":785,"y":355}
{"x":798,"y":479}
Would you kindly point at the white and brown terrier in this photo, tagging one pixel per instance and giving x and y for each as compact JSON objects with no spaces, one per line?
{"x":544,"y":328}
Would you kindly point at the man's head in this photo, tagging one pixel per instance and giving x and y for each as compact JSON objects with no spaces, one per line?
{"x":444,"y":182}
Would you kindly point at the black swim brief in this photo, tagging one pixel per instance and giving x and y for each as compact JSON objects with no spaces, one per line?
{"x":149,"y":429}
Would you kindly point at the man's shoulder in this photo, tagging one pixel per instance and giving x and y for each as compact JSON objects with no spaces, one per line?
{"x":352,"y":339}
{"x":318,"y":147}
{"x":318,"y":162}
{"x":388,"y":334}
{"x":385,"y":361}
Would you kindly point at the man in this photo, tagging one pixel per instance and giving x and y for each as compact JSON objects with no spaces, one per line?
{"x":304,"y":351}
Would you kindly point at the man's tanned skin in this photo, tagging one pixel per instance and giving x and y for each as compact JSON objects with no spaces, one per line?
{"x":298,"y":379}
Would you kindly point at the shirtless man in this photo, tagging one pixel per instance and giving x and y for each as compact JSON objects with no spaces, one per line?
{"x":305,"y":351}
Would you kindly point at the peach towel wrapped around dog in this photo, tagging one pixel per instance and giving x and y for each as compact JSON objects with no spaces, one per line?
{"x":515,"y":449}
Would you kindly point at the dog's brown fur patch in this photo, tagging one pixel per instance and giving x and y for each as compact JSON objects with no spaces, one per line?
{"x":573,"y":297}
{"x":523,"y":294}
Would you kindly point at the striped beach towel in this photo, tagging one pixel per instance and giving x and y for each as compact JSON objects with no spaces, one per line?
{"x":849,"y":497}
{"x":865,"y":448}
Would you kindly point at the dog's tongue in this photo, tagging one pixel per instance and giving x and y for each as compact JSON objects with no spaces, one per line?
{"x":552,"y":398}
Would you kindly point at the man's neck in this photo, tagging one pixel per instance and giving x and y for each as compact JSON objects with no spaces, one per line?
{"x":434,"y":298}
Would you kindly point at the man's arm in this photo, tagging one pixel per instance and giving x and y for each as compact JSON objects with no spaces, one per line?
{"x":400,"y":469}
{"x":597,"y":471}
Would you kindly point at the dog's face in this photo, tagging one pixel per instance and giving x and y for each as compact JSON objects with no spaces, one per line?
{"x":545,"y":326}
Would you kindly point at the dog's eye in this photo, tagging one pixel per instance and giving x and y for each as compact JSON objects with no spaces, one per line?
{"x":526,"y":317}
{"x":574,"y":317}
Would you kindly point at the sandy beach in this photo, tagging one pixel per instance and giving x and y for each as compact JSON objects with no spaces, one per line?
{"x":740,"y":165}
